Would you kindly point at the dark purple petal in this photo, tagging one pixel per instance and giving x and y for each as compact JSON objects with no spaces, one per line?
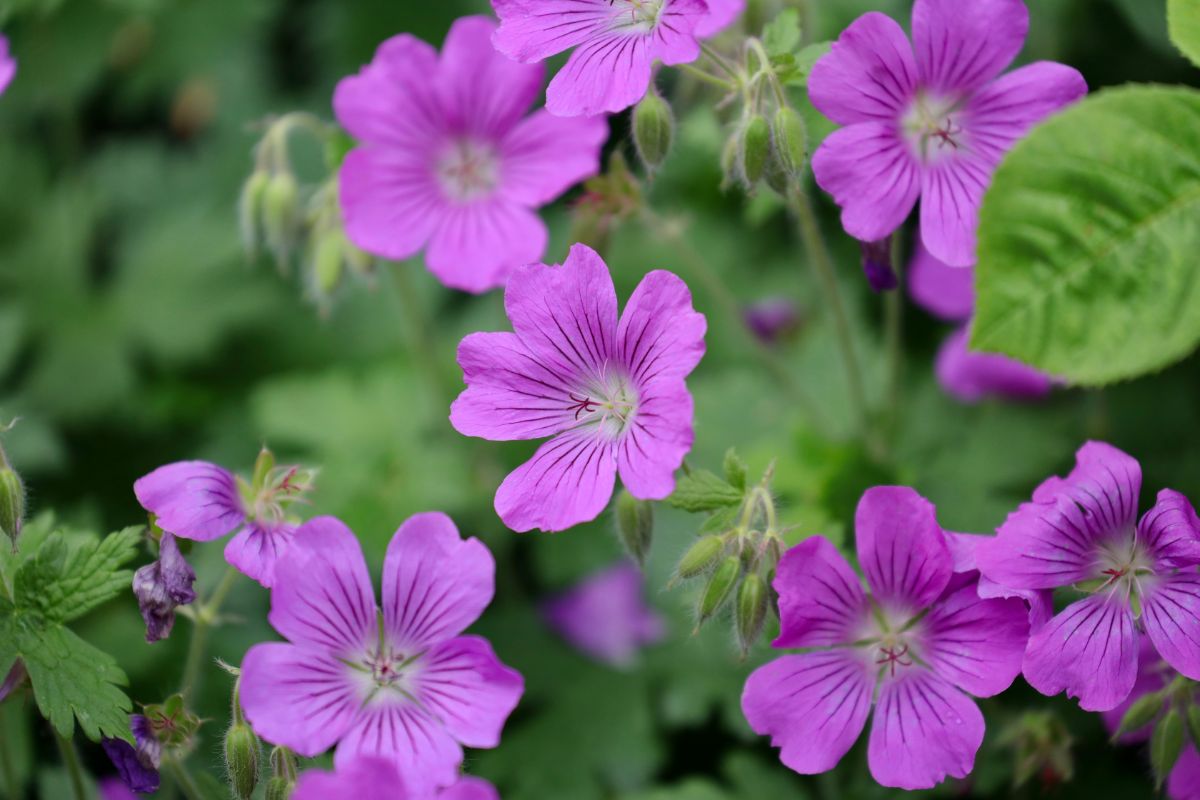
{"x":877,"y":264}
{"x":138,"y":767}
{"x":162,"y":586}
{"x":11,"y":681}
{"x":773,"y":319}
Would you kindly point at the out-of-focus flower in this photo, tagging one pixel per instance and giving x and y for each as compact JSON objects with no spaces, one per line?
{"x":369,"y":778}
{"x":877,"y":264}
{"x":930,"y":119}
{"x":163,"y":585}
{"x":448,"y":162}
{"x":137,"y":766}
{"x":773,"y":319}
{"x":115,"y":789}
{"x":916,"y":648}
{"x":615,"y":41}
{"x":611,"y":394}
{"x":946,"y":292}
{"x":399,"y":683}
{"x":8,"y":64}
{"x":1083,"y":531}
{"x":606,"y":616}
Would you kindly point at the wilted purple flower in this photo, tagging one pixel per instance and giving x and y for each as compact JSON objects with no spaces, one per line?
{"x":877,"y":264}
{"x":447,"y":160}
{"x":772,"y":319}
{"x":606,"y":616}
{"x":721,"y":14}
{"x":163,"y":585}
{"x":615,"y":41}
{"x":1083,"y":531}
{"x":931,"y":124}
{"x":8,"y":64}
{"x":138,"y":767}
{"x":915,"y":648}
{"x":369,"y":778}
{"x":610,"y":394}
{"x":400,"y":684}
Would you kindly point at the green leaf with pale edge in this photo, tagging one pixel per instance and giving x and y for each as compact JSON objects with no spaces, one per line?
{"x":703,"y":491}
{"x":63,"y":583}
{"x":1183,"y":24}
{"x":1088,"y":239}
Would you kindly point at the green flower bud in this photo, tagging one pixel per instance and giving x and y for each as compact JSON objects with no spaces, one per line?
{"x":360,"y":262}
{"x":279,"y":789}
{"x":719,"y":587}
{"x":1166,"y":744}
{"x":791,"y":142}
{"x":241,"y":760}
{"x":653,"y":129}
{"x":1141,"y":713}
{"x":1193,"y":724}
{"x":730,"y":172}
{"x":635,"y":525}
{"x":751,"y":610}
{"x":755,"y":149}
{"x":700,"y":556}
{"x":250,"y":209}
{"x":12,"y":501}
{"x":280,"y":208}
{"x":328,"y":261}
{"x":776,"y":177}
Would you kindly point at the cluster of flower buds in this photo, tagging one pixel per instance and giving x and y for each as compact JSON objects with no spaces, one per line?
{"x":1174,"y":713}
{"x":607,"y":200}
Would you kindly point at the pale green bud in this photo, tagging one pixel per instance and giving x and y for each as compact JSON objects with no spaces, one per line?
{"x":280,"y":209}
{"x":755,"y":149}
{"x":635,"y":525}
{"x":241,"y":760}
{"x":1141,"y":713}
{"x":791,"y":142}
{"x":719,"y":587}
{"x":653,"y":129}
{"x":700,"y":556}
{"x":751,"y":610}
{"x":250,"y":209}
{"x":1166,"y":745}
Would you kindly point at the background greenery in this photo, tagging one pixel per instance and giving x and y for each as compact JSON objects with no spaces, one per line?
{"x":133,"y":332}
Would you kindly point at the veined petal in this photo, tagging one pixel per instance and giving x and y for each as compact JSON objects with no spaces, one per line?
{"x":608,"y":73}
{"x":974,"y":643}
{"x":869,"y":73}
{"x":1170,"y":531}
{"x":392,"y":100}
{"x":532,"y":30}
{"x":470,"y":788}
{"x":1152,"y":676}
{"x":364,"y":778}
{"x":257,"y":548}
{"x":569,"y":480}
{"x":951,"y":192}
{"x":390,"y":201}
{"x":192,"y":499}
{"x":298,"y":697}
{"x":1171,"y":616}
{"x":466,"y":687}
{"x":657,"y":439}
{"x":545,"y":155}
{"x":1089,"y":650}
{"x":821,"y":601}
{"x":484,"y":93}
{"x":1004,"y":111}
{"x":961,"y":46}
{"x":476,"y":245}
{"x":660,"y":334}
{"x":421,"y":749}
{"x":813,"y":706}
{"x":924,"y":731}
{"x":901,"y":547}
{"x":435,"y":584}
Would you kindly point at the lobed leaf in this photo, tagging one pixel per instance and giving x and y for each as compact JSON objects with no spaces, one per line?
{"x":62,"y":582}
{"x":703,"y":491}
{"x":1183,"y":25}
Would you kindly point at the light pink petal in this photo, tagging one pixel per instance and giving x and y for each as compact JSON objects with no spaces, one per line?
{"x":484,"y":93}
{"x":821,"y":601}
{"x":901,"y":547}
{"x":971,"y":377}
{"x":390,"y":201}
{"x":1004,"y":111}
{"x":470,"y":788}
{"x":192,"y":499}
{"x":298,"y":697}
{"x":868,"y":74}
{"x":476,"y":245}
{"x":1184,"y":781}
{"x":961,"y":46}
{"x":392,"y":101}
{"x":660,"y":335}
{"x":721,"y":14}
{"x":1170,"y":531}
{"x":872,"y":175}
{"x":974,"y":643}
{"x":464,"y":685}
{"x":1171,"y":617}
{"x":951,"y":192}
{"x":608,"y":73}
{"x":924,"y":731}
{"x":569,"y":480}
{"x":417,"y":745}
{"x":435,"y":583}
{"x":942,"y":290}
{"x":606,"y":616}
{"x":510,"y":393}
{"x":257,"y":548}
{"x":813,"y":706}
{"x":533,"y":30}
{"x":545,"y":155}
{"x":1089,"y":650}
{"x":658,"y":438}
{"x":322,"y":596}
{"x":364,"y":778}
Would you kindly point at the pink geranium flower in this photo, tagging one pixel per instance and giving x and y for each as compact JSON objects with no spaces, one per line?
{"x":610,"y":393}
{"x":615,"y":41}
{"x":399,"y":683}
{"x":449,"y":163}
{"x":931,"y":119}
{"x":915,"y":648}
{"x":1083,"y":531}
{"x":606,"y":615}
{"x":370,"y":778}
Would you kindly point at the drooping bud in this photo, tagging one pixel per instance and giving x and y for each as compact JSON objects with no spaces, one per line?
{"x":278,"y":789}
{"x":751,"y":611}
{"x":700,"y":557}
{"x":719,"y":587}
{"x":1166,"y":745}
{"x":773,"y":319}
{"x":283,"y":774}
{"x":1141,"y":713}
{"x":754,"y":150}
{"x":877,"y":264}
{"x":635,"y":525}
{"x":1193,"y":724}
{"x":730,"y":169}
{"x":280,"y":208}
{"x":242,"y":755}
{"x":791,"y":142}
{"x":328,"y":261}
{"x":162,"y":586}
{"x":653,"y":129}
{"x":250,"y":209}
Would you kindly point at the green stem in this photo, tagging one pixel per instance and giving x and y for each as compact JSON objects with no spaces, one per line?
{"x":707,"y":78}
{"x":206,"y":614}
{"x":720,"y":61}
{"x":71,"y":761}
{"x":183,"y":779}
{"x":416,"y":328}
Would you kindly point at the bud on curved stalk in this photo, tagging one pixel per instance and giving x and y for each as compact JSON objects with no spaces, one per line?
{"x":12,"y":500}
{"x":279,"y":789}
{"x":1141,"y":713}
{"x":653,"y":130}
{"x":730,"y":169}
{"x":700,"y":556}
{"x":751,"y":611}
{"x":241,"y":760}
{"x":283,"y":774}
{"x":280,"y":211}
{"x":328,"y":261}
{"x":1166,"y":745}
{"x":754,"y":150}
{"x":791,"y":142}
{"x":250,"y":209}
{"x":1193,"y":725}
{"x":635,"y":525}
{"x":719,"y":587}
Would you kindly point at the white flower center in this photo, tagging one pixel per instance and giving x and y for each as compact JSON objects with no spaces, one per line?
{"x":1125,"y":568}
{"x":468,"y":170}
{"x":933,"y":128}
{"x":636,"y":16}
{"x":608,"y":401}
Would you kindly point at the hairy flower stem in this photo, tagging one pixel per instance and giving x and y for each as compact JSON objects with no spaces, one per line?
{"x":183,"y":779}
{"x":71,"y":761}
{"x":700,"y":74}
{"x":205,"y":614}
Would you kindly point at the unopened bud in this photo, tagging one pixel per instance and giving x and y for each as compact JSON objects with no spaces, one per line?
{"x":751,"y":610}
{"x":877,"y":264}
{"x":653,"y":129}
{"x":328,"y":261}
{"x":776,"y":177}
{"x":1193,"y":724}
{"x":12,"y":501}
{"x":635,"y":525}
{"x":791,"y":142}
{"x":279,"y":212}
{"x":279,"y":789}
{"x":1141,"y":713}
{"x":719,"y":587}
{"x":241,"y":760}
{"x":730,"y":171}
{"x":358,"y":260}
{"x":700,"y":556}
{"x":754,"y":150}
{"x":250,"y":209}
{"x":1166,"y":745}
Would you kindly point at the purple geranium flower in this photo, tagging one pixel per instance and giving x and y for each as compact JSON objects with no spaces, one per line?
{"x":370,"y":778}
{"x":916,"y":647}
{"x":611,"y":394}
{"x":606,"y":616}
{"x":931,"y":124}
{"x":163,"y":585}
{"x":615,"y":41}
{"x":773,"y":319}
{"x":401,"y":683}
{"x":448,"y":162}
{"x":8,"y":64}
{"x":1083,"y":531}
{"x":137,"y":766}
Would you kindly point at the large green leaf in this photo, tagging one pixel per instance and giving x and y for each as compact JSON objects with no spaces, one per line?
{"x":1183,"y":23}
{"x":1088,"y":239}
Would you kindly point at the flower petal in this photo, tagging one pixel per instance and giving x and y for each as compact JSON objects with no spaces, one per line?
{"x":868,"y":74}
{"x":872,"y":175}
{"x":951,"y":193}
{"x":569,"y":480}
{"x":660,"y":335}
{"x":1152,"y":676}
{"x":532,"y":30}
{"x":390,"y":201}
{"x":1170,"y":531}
{"x":392,"y":100}
{"x":821,"y":600}
{"x":484,"y":93}
{"x":545,"y":155}
{"x":1089,"y":650}
{"x":924,"y":731}
{"x":657,"y":439}
{"x":942,"y":290}
{"x":192,"y":499}
{"x":971,"y":377}
{"x":1171,"y":617}
{"x":322,"y":596}
{"x":1005,"y":110}
{"x":420,"y":748}
{"x":608,"y":73}
{"x":435,"y":583}
{"x":960,"y":47}
{"x":721,"y":14}
{"x":364,"y":778}
{"x":813,"y":706}
{"x":256,"y":550}
{"x":470,"y":788}
{"x":475,"y":246}
{"x":466,"y":687}
{"x":606,"y":616}
{"x":1183,"y":783}
{"x":901,"y":547}
{"x":974,"y":643}
{"x":298,"y":697}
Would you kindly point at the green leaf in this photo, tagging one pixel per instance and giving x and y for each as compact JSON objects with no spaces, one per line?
{"x":782,"y":35}
{"x":1183,"y":24}
{"x":1088,"y":239}
{"x":62,"y":582}
{"x":703,"y":491}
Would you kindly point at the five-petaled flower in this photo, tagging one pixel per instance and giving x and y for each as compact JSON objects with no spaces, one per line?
{"x":606,"y":615}
{"x":447,"y":160}
{"x":915,"y":647}
{"x":400,"y":683}
{"x":370,"y":778}
{"x":610,"y":393}
{"x":931,"y":119}
{"x":1083,"y":531}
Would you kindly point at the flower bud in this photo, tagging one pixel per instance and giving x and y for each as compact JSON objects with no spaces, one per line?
{"x":12,"y":500}
{"x":280,"y":207}
{"x":700,"y":556}
{"x":791,"y":142}
{"x":279,"y":789}
{"x":283,"y":763}
{"x":776,"y":177}
{"x":754,"y":150}
{"x":751,"y":610}
{"x":250,"y":209}
{"x":1141,"y":713}
{"x":328,"y":261}
{"x":241,"y":760}
{"x":1166,"y":745}
{"x":635,"y":525}
{"x":730,"y":169}
{"x":653,"y":129}
{"x":720,"y":585}
{"x":877,"y":264}
{"x":1193,"y":725}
